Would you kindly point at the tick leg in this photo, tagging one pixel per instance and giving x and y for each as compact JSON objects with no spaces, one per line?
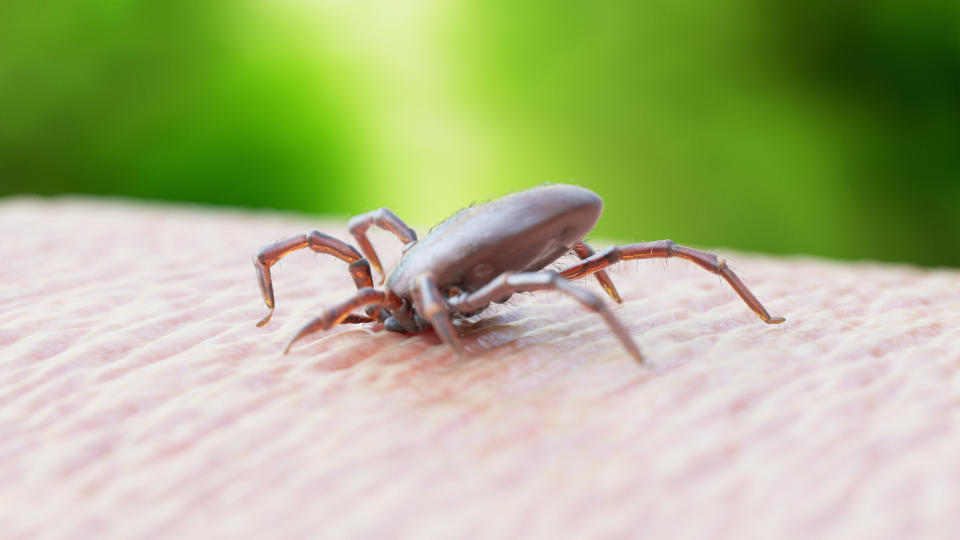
{"x":663,"y":249}
{"x":340,"y":313}
{"x":386,"y":220}
{"x":507,"y":284}
{"x":584,"y":252}
{"x":357,"y":319}
{"x":317,"y":241}
{"x":404,"y":317}
{"x":433,"y":308}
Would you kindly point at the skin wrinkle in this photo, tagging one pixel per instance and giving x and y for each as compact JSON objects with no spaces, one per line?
{"x":138,"y":399}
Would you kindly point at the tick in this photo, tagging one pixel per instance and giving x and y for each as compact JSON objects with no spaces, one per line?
{"x":482,"y":255}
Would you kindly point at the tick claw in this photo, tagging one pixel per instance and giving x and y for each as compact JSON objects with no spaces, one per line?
{"x":290,"y":343}
{"x":266,"y":319}
{"x":776,"y":320}
{"x":315,"y":324}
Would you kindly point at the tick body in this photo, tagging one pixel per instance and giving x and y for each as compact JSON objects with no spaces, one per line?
{"x":482,"y":254}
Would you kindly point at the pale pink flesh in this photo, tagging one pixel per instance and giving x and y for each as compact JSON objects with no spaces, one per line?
{"x":138,"y":399}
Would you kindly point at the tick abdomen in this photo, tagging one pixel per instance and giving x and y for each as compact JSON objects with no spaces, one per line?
{"x":521,"y":232}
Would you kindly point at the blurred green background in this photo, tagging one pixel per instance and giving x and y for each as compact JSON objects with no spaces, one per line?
{"x":823,"y":127}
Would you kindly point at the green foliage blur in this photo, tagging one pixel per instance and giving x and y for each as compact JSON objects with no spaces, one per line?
{"x":821,"y":127}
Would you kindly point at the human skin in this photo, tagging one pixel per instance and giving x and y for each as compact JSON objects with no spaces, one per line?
{"x":138,"y":399}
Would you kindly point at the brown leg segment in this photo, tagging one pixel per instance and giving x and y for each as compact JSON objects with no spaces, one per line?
{"x":585,"y":252}
{"x":340,"y":313}
{"x":663,"y":249}
{"x":434,"y":310}
{"x":386,"y":220}
{"x":507,"y":284}
{"x":357,"y":319}
{"x":317,"y":241}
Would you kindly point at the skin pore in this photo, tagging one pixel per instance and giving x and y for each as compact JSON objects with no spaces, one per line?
{"x":138,"y":397}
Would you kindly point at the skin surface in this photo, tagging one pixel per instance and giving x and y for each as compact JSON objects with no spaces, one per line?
{"x":139,"y":399}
